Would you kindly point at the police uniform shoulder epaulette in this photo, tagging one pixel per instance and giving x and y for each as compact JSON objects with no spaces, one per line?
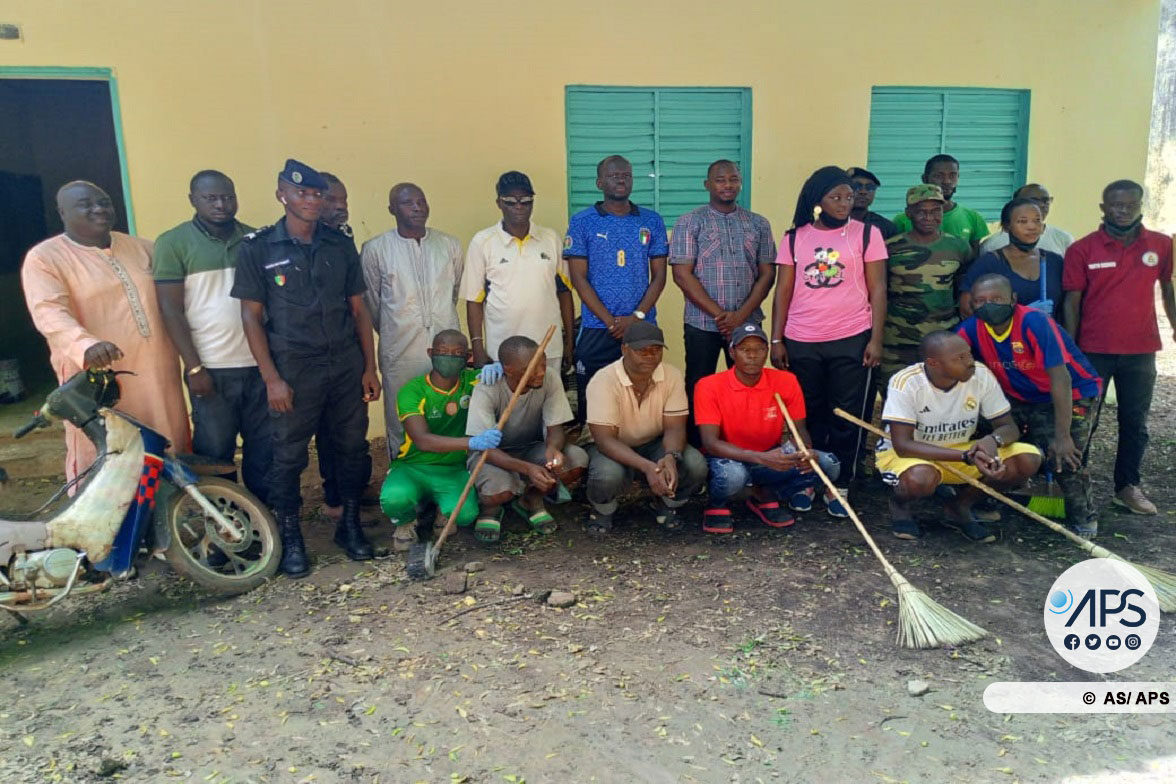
{"x":258,"y":232}
{"x":336,"y":232}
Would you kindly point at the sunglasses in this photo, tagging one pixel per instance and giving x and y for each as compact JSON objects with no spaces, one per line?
{"x":511,"y":201}
{"x":865,"y":186}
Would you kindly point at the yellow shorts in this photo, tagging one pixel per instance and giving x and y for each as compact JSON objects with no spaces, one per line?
{"x":891,"y":466}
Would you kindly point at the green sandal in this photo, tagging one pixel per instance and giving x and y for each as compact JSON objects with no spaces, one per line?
{"x":540,"y":521}
{"x":488,"y":528}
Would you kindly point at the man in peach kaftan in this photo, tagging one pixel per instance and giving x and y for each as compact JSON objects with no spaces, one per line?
{"x":91,"y":294}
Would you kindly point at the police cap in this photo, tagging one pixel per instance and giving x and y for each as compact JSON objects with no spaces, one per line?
{"x":298,"y":173}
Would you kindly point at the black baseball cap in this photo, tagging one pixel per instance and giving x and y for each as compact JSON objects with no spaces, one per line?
{"x":514,"y":181}
{"x":858,"y":171}
{"x":642,"y":334}
{"x":748,"y":330}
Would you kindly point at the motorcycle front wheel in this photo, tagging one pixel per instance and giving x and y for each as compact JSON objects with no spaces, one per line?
{"x":200,"y":551}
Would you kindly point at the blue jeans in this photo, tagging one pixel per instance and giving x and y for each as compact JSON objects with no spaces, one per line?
{"x":728,"y":477}
{"x":240,"y":405}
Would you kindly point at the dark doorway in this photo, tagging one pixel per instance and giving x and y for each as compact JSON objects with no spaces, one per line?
{"x":52,"y":131}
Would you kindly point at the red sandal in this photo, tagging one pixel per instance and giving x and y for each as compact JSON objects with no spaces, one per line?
{"x":717,"y":520}
{"x":771,"y":513}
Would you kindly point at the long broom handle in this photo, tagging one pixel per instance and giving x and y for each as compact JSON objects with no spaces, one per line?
{"x":890,"y":570}
{"x":1094,"y":549}
{"x":514,"y":398}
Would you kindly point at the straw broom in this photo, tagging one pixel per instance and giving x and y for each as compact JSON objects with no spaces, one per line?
{"x":1163,"y":582}
{"x":922,"y":621}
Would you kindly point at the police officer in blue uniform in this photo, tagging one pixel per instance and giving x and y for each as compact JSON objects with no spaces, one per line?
{"x":301,"y":290}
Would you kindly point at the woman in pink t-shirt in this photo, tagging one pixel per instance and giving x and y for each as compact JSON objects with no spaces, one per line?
{"x":830,"y":313}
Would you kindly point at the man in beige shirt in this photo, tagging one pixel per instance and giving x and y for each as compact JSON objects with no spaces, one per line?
{"x":637,"y":412}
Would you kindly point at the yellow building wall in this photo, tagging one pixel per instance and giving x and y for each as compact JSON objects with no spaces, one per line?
{"x":450,"y":94}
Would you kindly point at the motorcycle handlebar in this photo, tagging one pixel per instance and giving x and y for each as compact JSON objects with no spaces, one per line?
{"x":37,"y":421}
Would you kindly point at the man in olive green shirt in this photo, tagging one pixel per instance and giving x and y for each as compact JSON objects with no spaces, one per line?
{"x":958,"y":220}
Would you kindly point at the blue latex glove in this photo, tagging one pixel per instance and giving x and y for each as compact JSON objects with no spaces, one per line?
{"x":487,"y":439}
{"x":490,"y":374}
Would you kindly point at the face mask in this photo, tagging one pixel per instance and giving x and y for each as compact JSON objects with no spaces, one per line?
{"x":448,"y":365}
{"x":1116,"y":230}
{"x":831,"y":222}
{"x":993,"y":314}
{"x":1023,"y":246}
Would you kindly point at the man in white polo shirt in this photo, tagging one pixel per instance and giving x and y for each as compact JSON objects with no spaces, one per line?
{"x":516,"y":280}
{"x":1052,"y":238}
{"x":931,"y":412}
{"x":194,"y":267}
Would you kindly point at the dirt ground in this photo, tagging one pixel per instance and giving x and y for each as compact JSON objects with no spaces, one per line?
{"x":764,"y":656}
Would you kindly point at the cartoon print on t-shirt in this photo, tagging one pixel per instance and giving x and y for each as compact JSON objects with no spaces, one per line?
{"x":825,"y":272}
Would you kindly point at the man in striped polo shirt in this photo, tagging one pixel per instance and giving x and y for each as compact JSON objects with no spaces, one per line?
{"x":1050,"y":383}
{"x":194,"y":268}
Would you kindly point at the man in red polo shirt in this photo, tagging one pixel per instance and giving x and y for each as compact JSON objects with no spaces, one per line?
{"x":747,"y":441}
{"x":1110,"y":280}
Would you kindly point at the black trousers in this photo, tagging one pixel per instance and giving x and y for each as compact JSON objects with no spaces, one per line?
{"x":1135,"y":380}
{"x":595,"y":348}
{"x":703,"y":349}
{"x":328,"y":465}
{"x":831,"y":375}
{"x":328,"y":387}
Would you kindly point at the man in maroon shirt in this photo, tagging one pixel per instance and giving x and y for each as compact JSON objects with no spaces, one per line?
{"x":1110,"y":278}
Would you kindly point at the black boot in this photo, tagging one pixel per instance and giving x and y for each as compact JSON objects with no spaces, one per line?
{"x":294,"y":561}
{"x":349,"y":534}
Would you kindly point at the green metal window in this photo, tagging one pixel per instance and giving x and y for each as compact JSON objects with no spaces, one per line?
{"x":986,"y":129}
{"x":669,"y":134}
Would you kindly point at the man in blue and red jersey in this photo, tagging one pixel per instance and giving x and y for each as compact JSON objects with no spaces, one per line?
{"x":1051,"y":384}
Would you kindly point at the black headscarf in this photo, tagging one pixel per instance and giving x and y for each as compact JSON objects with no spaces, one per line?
{"x":815,"y":187}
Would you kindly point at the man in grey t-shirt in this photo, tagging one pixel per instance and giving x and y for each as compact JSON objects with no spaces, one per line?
{"x":533,"y":459}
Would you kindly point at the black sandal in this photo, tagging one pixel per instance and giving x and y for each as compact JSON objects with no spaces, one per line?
{"x":599,"y":524}
{"x":666,"y":517}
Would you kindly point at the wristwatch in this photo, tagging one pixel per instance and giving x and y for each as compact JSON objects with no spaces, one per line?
{"x":999,"y":441}
{"x":966,"y":458}
{"x":640,"y":314}
{"x":195,"y":369}
{"x":676,"y":455}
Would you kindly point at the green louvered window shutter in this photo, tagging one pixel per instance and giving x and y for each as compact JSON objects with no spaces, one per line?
{"x":669,"y":134}
{"x":987,"y":130}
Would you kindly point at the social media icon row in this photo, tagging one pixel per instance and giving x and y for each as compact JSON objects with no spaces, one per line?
{"x":1093,"y":642}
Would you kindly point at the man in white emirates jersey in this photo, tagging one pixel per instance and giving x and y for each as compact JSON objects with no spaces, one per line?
{"x":931,"y":412}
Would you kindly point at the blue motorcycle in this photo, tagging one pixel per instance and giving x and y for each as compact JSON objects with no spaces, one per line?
{"x":211,"y":530}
